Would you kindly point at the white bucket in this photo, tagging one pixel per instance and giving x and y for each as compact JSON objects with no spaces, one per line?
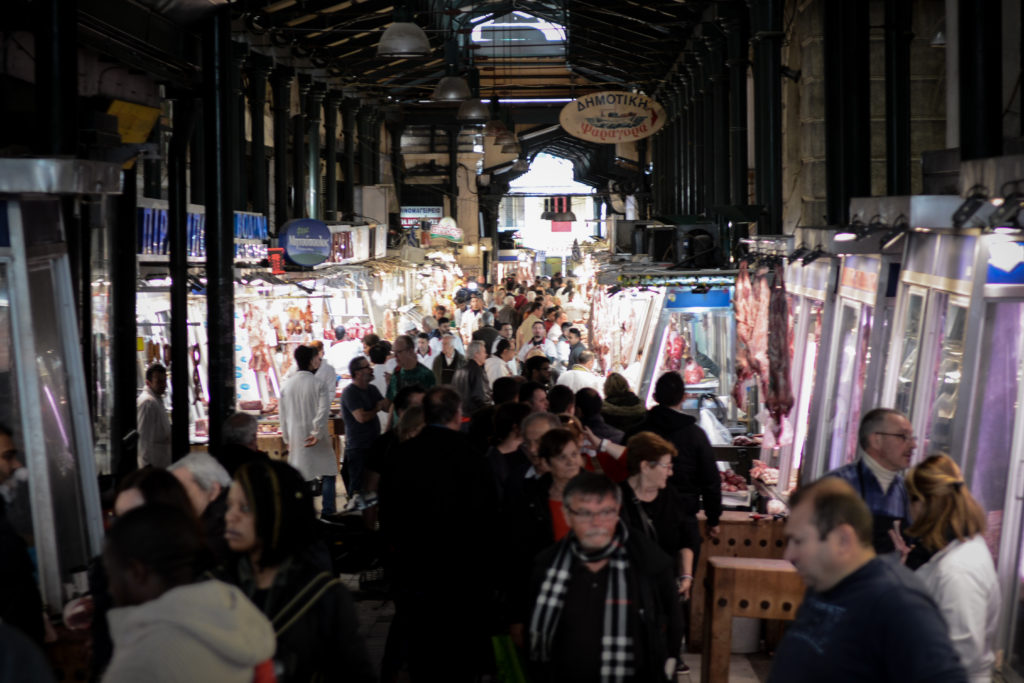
{"x":746,"y":635}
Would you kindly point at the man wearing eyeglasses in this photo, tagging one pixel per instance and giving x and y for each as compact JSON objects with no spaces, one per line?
{"x":604,"y":600}
{"x":360,"y":403}
{"x":887,"y":442}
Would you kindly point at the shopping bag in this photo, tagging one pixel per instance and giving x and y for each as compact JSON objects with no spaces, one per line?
{"x":506,"y":657}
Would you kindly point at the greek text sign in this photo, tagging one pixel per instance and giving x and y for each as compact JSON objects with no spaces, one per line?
{"x":610,"y":117}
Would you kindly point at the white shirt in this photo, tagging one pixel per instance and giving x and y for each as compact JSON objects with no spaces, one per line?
{"x":961,"y":578}
{"x":328,"y":377}
{"x":470,"y":323}
{"x":154,"y":429}
{"x":579,"y":377}
{"x":546,"y":346}
{"x":342,"y":353}
{"x":427,"y":359}
{"x":496,"y":368}
{"x":303,"y":414}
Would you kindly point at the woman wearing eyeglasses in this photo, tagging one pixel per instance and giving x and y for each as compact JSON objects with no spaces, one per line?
{"x":960,"y":576}
{"x":652,"y":508}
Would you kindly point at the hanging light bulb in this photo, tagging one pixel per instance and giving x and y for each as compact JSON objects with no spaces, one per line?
{"x":547,"y":213}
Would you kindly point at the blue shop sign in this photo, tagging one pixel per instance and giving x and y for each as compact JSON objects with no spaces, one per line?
{"x":306,"y":242}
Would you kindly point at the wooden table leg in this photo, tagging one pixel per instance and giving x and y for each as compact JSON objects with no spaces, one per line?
{"x":714,"y":658}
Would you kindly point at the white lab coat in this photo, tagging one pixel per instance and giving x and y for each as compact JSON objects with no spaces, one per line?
{"x":304,"y":413}
{"x":579,"y":377}
{"x":496,"y":368}
{"x":546,"y":346}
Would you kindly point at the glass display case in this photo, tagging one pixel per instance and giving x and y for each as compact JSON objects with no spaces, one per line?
{"x":695,"y":337}
{"x":623,"y":326}
{"x":850,"y":358}
{"x":907,"y":367}
{"x":45,"y":401}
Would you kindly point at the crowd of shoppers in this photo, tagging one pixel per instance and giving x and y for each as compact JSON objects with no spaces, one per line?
{"x":512,"y":494}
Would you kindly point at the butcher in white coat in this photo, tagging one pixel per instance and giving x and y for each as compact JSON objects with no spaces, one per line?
{"x":304,"y":411}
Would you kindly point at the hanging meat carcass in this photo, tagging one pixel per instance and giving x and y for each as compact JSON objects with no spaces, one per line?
{"x":746,"y":365}
{"x":779,"y":399}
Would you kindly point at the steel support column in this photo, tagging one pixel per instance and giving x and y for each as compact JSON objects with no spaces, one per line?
{"x":124,"y":370}
{"x":348,"y":129}
{"x":300,"y":206}
{"x":331,"y":154}
{"x":56,"y":78}
{"x":197,"y":169}
{"x":365,"y":144}
{"x":737,"y":34}
{"x":219,"y":118}
{"x":847,"y":107}
{"x":314,"y":103}
{"x":185,"y":108}
{"x":281,"y":89}
{"x":719,"y":119}
{"x":898,"y":37}
{"x":766,"y":23}
{"x":396,"y":127}
{"x":453,"y":171}
{"x":981,"y":80}
{"x":239,"y":186}
{"x":257,"y":68}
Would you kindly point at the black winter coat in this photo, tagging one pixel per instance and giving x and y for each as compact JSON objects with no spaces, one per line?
{"x":314,"y":618}
{"x":694,"y":475}
{"x":654,"y":606}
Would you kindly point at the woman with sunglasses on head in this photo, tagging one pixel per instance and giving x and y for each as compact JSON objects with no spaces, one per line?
{"x":281,"y":567}
{"x":960,"y":576}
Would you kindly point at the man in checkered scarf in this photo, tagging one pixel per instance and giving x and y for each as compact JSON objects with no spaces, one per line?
{"x":604,"y":601}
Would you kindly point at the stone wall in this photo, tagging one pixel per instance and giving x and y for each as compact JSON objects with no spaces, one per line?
{"x":803,"y":104}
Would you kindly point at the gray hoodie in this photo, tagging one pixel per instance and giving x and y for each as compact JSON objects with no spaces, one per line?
{"x":206,"y":631}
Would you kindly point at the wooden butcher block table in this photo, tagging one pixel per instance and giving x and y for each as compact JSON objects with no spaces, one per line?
{"x":738,"y":536}
{"x":743,"y":587}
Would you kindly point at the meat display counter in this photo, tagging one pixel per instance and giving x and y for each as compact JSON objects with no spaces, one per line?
{"x":694,"y":336}
{"x":42,"y":376}
{"x":855,"y":354}
{"x":955,"y":367}
{"x":811,"y":304}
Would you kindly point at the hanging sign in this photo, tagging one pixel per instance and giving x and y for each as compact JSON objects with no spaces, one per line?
{"x":306,"y":241}
{"x":447,"y":229}
{"x":610,"y":117}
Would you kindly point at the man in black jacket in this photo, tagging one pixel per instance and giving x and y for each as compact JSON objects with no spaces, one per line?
{"x":604,"y":600}
{"x":694,"y":473}
{"x":440,"y":519}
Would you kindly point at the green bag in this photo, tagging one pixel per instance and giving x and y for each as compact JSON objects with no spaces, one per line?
{"x":506,"y":657}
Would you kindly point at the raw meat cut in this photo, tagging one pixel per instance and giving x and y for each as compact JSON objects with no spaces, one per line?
{"x":779,"y":397}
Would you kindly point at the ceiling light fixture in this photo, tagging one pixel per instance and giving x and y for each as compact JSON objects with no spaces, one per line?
{"x":403,"y":39}
{"x":451,"y":87}
{"x":473,"y":110}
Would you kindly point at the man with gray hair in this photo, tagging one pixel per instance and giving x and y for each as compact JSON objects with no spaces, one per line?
{"x":471,"y":381}
{"x":240,"y":442}
{"x":487,"y":332}
{"x":206,"y":482}
{"x":887,"y":442}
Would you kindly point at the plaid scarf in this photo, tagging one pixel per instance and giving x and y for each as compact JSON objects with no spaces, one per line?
{"x":616,"y":643}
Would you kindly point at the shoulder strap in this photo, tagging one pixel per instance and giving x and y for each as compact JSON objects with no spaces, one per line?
{"x":302,"y":602}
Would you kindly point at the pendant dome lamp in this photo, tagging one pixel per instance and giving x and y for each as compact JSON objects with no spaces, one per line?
{"x":403,"y":39}
{"x":494,"y":126}
{"x":565,"y":215}
{"x":452,"y":87}
{"x":473,"y":110}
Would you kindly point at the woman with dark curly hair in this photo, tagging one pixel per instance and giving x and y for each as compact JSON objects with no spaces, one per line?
{"x":281,"y":567}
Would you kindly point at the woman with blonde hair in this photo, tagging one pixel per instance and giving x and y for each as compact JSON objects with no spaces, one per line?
{"x":960,"y":576}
